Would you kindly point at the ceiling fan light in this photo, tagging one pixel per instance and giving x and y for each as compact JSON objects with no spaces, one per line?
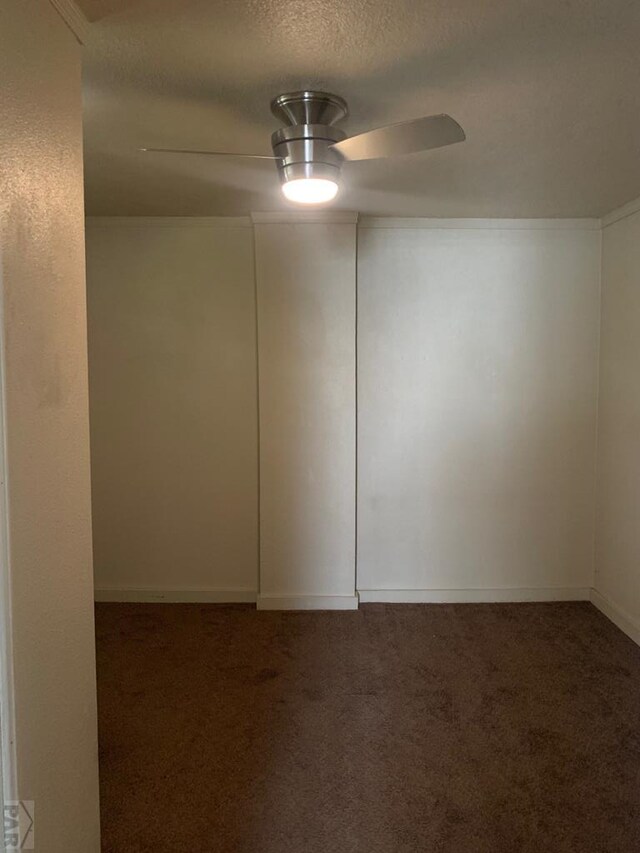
{"x":310,"y":190}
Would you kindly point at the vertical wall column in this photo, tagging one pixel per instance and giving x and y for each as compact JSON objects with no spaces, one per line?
{"x":48,"y":690}
{"x":306,"y":300}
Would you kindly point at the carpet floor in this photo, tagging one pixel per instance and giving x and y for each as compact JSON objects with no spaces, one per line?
{"x":502,"y":728}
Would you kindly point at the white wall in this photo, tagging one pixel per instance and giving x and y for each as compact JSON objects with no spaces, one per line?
{"x":618,"y":522}
{"x":172,"y":346}
{"x":306,"y":290}
{"x":477,"y":366}
{"x":46,"y":427}
{"x":477,"y":380}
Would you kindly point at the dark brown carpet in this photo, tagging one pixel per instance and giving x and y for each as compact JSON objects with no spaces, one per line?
{"x":394,"y":729}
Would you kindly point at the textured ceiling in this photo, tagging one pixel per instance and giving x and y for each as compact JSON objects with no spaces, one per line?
{"x":548,"y":92}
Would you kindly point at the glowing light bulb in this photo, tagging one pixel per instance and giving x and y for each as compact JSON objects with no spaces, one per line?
{"x":310,"y":190}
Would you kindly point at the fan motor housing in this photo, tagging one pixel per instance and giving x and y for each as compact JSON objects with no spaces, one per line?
{"x":305,"y":151}
{"x":304,"y":146}
{"x":309,"y":107}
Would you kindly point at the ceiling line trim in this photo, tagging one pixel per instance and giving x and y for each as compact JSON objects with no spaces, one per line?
{"x":371,"y":222}
{"x":172,"y":221}
{"x":480,"y":224}
{"x":73,"y":17}
{"x":619,"y":213}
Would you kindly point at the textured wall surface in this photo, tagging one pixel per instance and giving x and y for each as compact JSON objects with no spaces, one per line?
{"x":172,"y":344}
{"x":47,"y":427}
{"x":306,"y":291}
{"x":618,"y":532}
{"x":477,"y":373}
{"x":544,"y":90}
{"x":477,"y":367}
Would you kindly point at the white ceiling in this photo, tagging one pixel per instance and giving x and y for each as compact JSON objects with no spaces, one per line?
{"x":548,"y":92}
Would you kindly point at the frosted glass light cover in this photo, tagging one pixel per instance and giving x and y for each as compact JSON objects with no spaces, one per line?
{"x":310,"y":190}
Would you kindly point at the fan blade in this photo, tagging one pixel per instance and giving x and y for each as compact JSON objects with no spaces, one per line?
{"x":407,"y":137}
{"x":208,"y":153}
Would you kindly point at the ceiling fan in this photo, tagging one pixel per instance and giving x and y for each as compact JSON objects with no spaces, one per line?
{"x":309,"y":150}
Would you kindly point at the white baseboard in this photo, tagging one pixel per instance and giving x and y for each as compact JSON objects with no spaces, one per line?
{"x":468,"y":596}
{"x":171,"y":595}
{"x":307,"y":602}
{"x":617,"y":615}
{"x":391,"y":596}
